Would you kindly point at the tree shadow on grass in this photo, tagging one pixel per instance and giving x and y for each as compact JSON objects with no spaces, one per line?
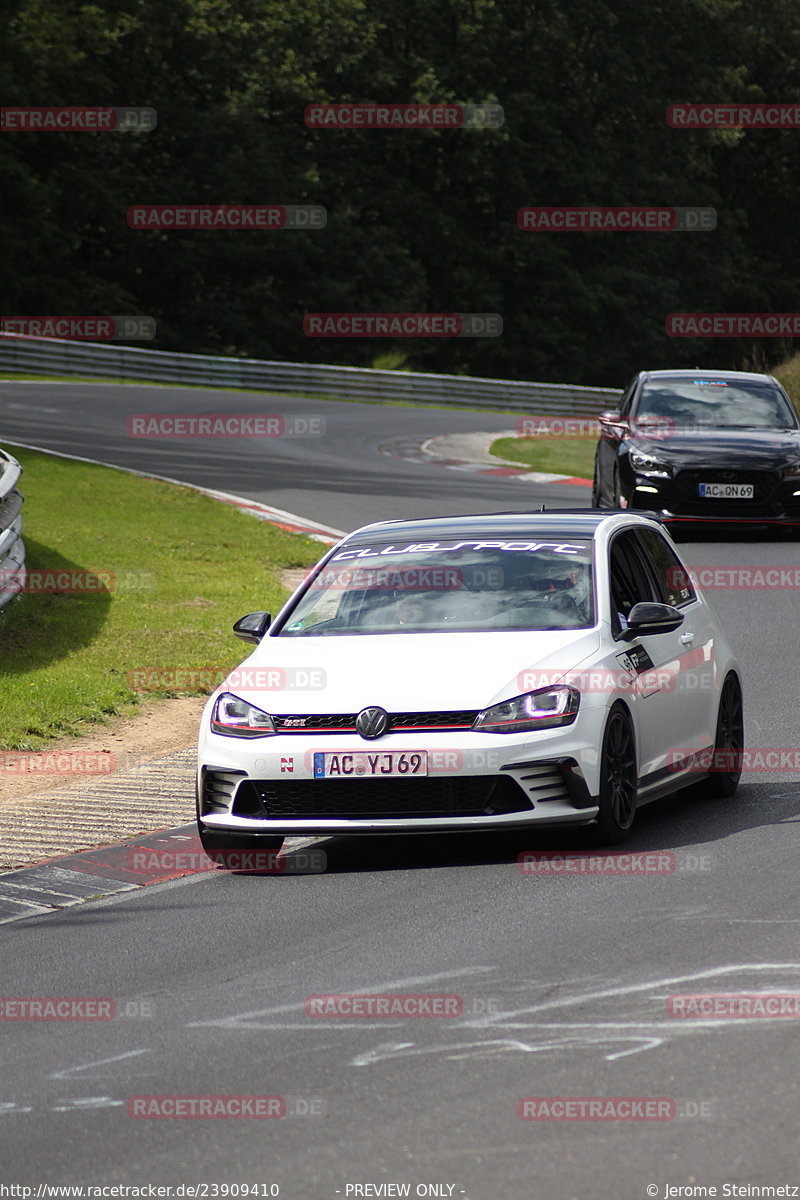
{"x":45,"y":624}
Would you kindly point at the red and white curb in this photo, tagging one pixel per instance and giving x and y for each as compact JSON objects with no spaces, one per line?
{"x":159,"y":857}
{"x":433,"y":452}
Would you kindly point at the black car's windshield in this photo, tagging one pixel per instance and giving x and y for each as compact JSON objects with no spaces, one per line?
{"x":440,"y":587}
{"x":709,"y":403}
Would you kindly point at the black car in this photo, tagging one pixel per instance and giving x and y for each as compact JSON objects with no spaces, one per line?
{"x":702,"y":447}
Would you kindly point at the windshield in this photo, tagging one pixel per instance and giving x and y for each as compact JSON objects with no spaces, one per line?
{"x":710,"y":403}
{"x":441,"y":587}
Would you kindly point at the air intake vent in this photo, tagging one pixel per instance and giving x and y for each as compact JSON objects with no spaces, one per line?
{"x":218,"y":788}
{"x":544,"y":783}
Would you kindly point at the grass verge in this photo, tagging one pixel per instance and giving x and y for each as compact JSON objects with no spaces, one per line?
{"x":558,"y":455}
{"x":176,"y":569}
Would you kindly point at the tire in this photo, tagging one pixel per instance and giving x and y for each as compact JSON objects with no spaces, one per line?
{"x":728,"y":741}
{"x":618,"y":779}
{"x":229,"y":849}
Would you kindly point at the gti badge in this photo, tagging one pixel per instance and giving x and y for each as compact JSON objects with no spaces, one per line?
{"x":372,"y":722}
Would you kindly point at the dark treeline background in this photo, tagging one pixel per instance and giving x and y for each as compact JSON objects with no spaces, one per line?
{"x":416,"y":221}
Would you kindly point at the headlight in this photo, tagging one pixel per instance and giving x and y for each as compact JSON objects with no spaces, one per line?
{"x":536,"y":710}
{"x":792,"y":471}
{"x":236,"y":718}
{"x":648,"y":464}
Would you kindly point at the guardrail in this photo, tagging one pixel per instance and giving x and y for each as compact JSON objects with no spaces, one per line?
{"x":129,"y":363}
{"x":12,"y":547}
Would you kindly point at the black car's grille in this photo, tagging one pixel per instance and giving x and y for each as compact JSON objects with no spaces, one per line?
{"x":687,"y":492}
{"x":398,"y":722}
{"x":467,"y":796}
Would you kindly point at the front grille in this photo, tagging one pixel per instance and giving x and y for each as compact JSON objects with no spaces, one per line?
{"x":456,"y":719}
{"x":467,"y":796}
{"x":403,"y":722}
{"x":337,"y":723}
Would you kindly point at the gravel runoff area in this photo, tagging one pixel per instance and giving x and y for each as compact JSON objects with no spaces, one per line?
{"x":47,"y":810}
{"x":47,"y":807}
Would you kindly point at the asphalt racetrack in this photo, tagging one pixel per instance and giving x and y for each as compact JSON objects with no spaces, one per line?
{"x":563,"y":980}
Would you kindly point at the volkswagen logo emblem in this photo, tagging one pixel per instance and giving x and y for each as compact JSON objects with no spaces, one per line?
{"x":372,"y":722}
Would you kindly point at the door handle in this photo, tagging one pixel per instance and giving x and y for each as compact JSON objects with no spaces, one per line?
{"x":686,"y":638}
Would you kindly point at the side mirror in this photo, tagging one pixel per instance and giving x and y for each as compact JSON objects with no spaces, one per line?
{"x":252,"y":627}
{"x":611,"y":422}
{"x":647,"y":617}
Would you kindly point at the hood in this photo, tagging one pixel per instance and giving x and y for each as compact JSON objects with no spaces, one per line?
{"x":402,"y":672}
{"x":718,"y":449}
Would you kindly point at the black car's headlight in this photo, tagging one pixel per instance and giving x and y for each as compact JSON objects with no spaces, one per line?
{"x":236,"y":718}
{"x":542,"y":709}
{"x":791,"y":471}
{"x":648,"y":464}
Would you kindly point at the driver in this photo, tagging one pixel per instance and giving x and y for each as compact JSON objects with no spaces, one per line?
{"x":409,"y":608}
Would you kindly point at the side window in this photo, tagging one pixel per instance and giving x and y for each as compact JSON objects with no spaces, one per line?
{"x":631,"y":579}
{"x":673,"y":578}
{"x":627,"y":396}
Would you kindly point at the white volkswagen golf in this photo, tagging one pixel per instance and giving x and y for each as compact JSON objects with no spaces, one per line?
{"x":472,"y":673}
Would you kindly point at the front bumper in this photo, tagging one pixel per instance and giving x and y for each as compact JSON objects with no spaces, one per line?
{"x":677,"y":499}
{"x":474,"y":782}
